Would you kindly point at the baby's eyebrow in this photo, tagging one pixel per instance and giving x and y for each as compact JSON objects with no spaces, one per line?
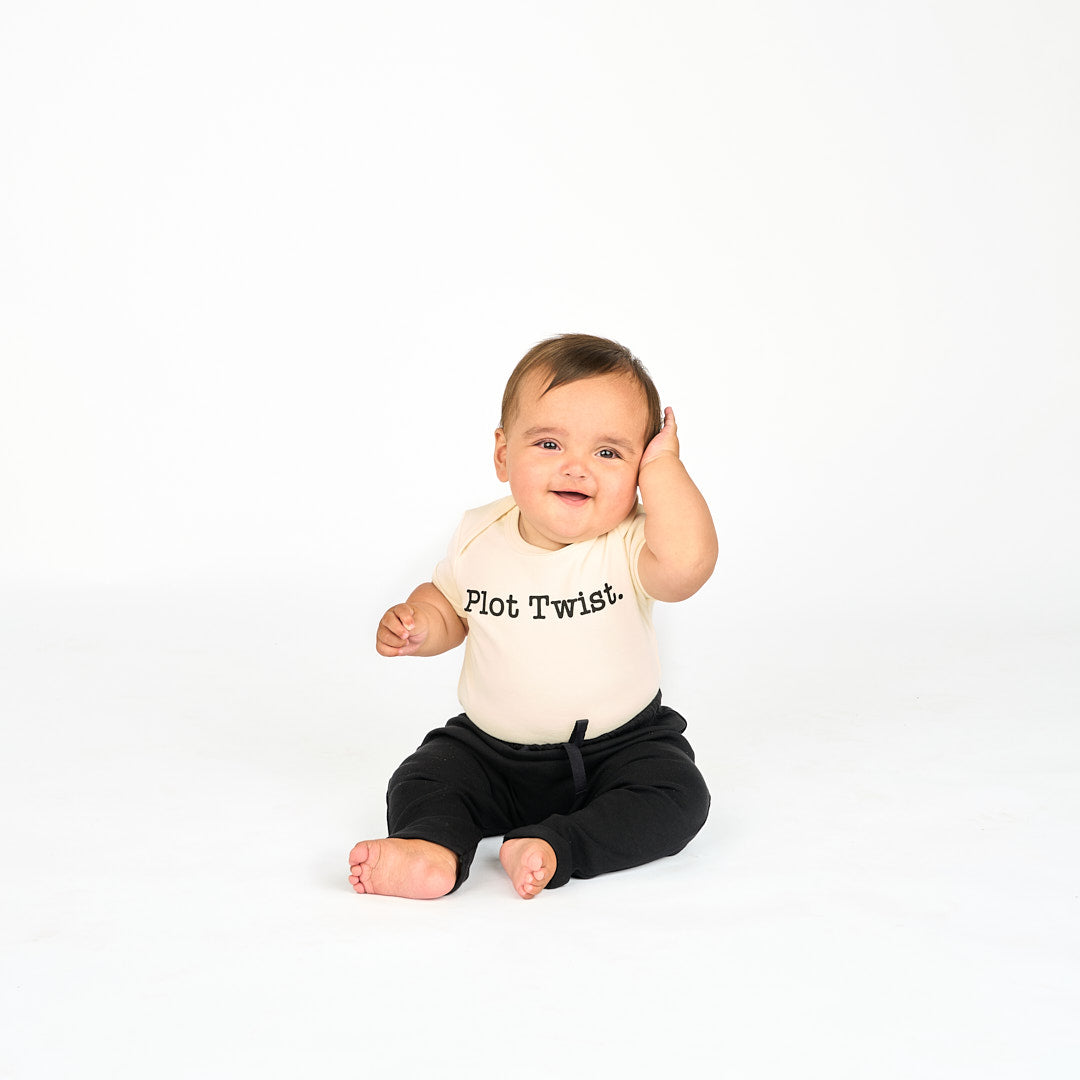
{"x":622,"y":444}
{"x":535,"y":432}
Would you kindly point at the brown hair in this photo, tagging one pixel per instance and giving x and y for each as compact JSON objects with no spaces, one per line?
{"x":571,"y":357}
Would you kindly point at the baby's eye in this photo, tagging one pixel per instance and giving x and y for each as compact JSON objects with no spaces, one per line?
{"x":547,"y":444}
{"x":608,"y":454}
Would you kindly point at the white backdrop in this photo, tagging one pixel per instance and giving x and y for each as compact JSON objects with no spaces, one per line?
{"x":267,"y":265}
{"x":264,"y":270}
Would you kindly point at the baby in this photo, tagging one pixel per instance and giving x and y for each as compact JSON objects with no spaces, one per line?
{"x":564,"y":746}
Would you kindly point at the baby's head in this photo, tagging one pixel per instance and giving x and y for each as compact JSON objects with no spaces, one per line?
{"x":570,"y":358}
{"x":577,"y":415}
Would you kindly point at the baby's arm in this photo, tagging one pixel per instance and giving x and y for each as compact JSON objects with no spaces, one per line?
{"x":425,"y":625}
{"x":680,"y":539}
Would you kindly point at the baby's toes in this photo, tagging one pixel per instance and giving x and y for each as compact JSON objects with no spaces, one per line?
{"x":533,"y":882}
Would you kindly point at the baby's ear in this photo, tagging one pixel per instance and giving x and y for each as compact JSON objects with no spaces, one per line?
{"x":500,"y":456}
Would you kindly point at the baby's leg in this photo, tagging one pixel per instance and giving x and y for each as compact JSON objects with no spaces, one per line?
{"x":529,"y":862}
{"x":440,"y":802}
{"x":645,"y":802}
{"x":416,"y":869}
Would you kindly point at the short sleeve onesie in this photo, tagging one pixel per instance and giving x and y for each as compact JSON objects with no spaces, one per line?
{"x":554,"y":636}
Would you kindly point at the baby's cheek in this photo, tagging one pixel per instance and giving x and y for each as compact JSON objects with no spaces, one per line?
{"x":627,"y":501}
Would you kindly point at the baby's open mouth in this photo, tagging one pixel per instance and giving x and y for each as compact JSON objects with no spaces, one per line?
{"x":572,"y":496}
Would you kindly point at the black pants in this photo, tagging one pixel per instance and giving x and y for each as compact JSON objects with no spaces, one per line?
{"x":603,"y":804}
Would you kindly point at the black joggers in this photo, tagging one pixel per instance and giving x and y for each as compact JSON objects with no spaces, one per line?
{"x":609,"y":803}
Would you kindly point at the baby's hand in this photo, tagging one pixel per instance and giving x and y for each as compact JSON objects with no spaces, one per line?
{"x":665,"y":442}
{"x":402,"y":631}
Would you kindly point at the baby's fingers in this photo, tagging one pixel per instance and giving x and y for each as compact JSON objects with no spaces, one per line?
{"x":666,"y":440}
{"x":394,"y":630}
{"x":401,"y":615}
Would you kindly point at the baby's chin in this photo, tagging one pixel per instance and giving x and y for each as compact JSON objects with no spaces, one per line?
{"x":552,"y":536}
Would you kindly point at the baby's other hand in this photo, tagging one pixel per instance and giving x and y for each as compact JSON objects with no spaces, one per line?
{"x":402,"y":631}
{"x":666,"y":441}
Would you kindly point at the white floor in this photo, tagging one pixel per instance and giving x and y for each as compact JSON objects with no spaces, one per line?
{"x":888,"y":885}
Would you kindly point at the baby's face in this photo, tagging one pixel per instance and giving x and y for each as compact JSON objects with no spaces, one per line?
{"x":571,"y":457}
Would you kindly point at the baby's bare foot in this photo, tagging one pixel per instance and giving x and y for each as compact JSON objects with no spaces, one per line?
{"x":529,"y":863}
{"x":416,"y":869}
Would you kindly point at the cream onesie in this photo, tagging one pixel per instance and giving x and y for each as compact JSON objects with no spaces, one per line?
{"x":554,"y":636}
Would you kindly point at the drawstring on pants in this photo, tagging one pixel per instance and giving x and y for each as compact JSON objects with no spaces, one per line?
{"x":573,"y":752}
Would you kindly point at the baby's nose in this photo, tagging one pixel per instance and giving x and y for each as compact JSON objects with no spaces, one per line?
{"x":573,"y":467}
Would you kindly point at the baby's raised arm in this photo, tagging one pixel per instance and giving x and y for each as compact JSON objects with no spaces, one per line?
{"x":425,"y":625}
{"x":680,"y":539}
